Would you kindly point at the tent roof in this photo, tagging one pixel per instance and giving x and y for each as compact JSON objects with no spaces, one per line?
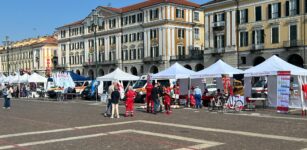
{"x":118,"y":74}
{"x":36,"y":78}
{"x":217,"y":70}
{"x":77,"y":77}
{"x":176,"y":71}
{"x":272,"y":65}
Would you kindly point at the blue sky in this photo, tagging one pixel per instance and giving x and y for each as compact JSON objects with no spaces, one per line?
{"x":22,"y":19}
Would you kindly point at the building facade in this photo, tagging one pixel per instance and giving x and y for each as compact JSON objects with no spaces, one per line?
{"x":254,"y":30}
{"x":29,"y":55}
{"x":142,"y":38}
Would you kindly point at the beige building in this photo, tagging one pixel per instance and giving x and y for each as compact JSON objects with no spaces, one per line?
{"x":142,"y":38}
{"x":259,"y":29}
{"x":29,"y":55}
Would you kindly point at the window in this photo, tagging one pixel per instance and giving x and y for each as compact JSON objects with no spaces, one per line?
{"x":140,"y":53}
{"x":154,"y":14}
{"x":305,"y":6}
{"x":140,"y":17}
{"x":258,"y":13}
{"x":63,"y":33}
{"x":219,"y":17}
{"x":153,"y":33}
{"x":219,"y":41}
{"x":112,"y":40}
{"x":101,"y":41}
{"x":294,"y":7}
{"x":258,"y":37}
{"x":293,"y":32}
{"x":196,"y":33}
{"x":154,"y":51}
{"x":132,"y":54}
{"x":179,"y":13}
{"x":63,"y":47}
{"x":274,"y":10}
{"x":243,"y":39}
{"x":126,"y":54}
{"x":244,"y":16}
{"x":196,"y":16}
{"x":140,"y":36}
{"x":101,"y":26}
{"x":243,"y":60}
{"x":180,"y":33}
{"x":181,"y":50}
{"x":275,"y":35}
{"x":133,"y":19}
{"x":112,"y":23}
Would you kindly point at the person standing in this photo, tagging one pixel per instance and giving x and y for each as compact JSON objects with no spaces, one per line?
{"x":197,"y":95}
{"x":149,"y":100}
{"x":167,"y":99}
{"x":130,"y":96}
{"x":115,"y":96}
{"x":155,"y":97}
{"x":160,"y":96}
{"x":7,"y":102}
{"x":109,"y":104}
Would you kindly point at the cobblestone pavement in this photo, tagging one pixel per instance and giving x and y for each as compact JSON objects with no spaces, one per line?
{"x":79,"y":125}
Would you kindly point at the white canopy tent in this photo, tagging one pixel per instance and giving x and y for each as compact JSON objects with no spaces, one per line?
{"x":216,"y":70}
{"x":176,"y":71}
{"x":36,"y":78}
{"x":118,"y":75}
{"x":2,"y":78}
{"x":8,"y":79}
{"x":270,"y":68}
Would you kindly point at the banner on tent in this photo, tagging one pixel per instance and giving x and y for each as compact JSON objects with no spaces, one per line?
{"x":283,"y":90}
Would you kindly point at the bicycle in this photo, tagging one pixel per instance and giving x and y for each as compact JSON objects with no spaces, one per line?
{"x":234,"y":103}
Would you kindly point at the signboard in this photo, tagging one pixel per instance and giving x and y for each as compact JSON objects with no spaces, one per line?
{"x":283,"y":91}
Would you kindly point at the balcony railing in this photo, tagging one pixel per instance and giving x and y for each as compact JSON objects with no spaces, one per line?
{"x":257,"y":46}
{"x":293,"y":43}
{"x":218,"y":24}
{"x":152,"y":59}
{"x":194,"y":55}
{"x":103,"y":62}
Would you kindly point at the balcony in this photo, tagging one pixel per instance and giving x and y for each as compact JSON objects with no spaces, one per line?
{"x":257,"y":46}
{"x":220,"y":25}
{"x":293,"y":43}
{"x":215,"y":51}
{"x":104,"y":62}
{"x":152,"y":59}
{"x":194,"y":55}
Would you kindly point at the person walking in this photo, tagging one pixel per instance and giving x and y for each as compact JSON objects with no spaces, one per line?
{"x":155,"y":97}
{"x":109,"y":104}
{"x":7,"y":103}
{"x":167,"y":99}
{"x":130,"y":96}
{"x":115,"y":96}
{"x":149,"y":100}
{"x":197,"y":95}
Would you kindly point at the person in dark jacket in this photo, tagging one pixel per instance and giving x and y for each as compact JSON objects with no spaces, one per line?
{"x":155,"y":94}
{"x":115,"y":96}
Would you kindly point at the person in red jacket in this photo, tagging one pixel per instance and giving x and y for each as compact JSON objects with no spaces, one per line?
{"x":167,"y":99}
{"x":149,"y":100}
{"x":130,"y":96}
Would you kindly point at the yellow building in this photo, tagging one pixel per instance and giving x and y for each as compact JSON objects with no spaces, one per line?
{"x":142,"y":38}
{"x":259,"y":29}
{"x":29,"y":55}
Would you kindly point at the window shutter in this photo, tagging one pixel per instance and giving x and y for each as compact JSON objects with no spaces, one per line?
{"x":246,"y":13}
{"x":253,"y":37}
{"x":241,"y":39}
{"x":238,"y":16}
{"x":287,"y":8}
{"x":223,"y":16}
{"x":246,"y":38}
{"x":279,"y":10}
{"x":183,"y":33}
{"x":215,"y":42}
{"x":182,"y":14}
{"x":305,"y":6}
{"x":150,"y":14}
{"x":183,"y":50}
{"x":223,"y":40}
{"x":298,"y":7}
{"x":215,"y":18}
{"x":269,"y":11}
{"x":262,"y":36}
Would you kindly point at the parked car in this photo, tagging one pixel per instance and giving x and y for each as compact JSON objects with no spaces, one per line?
{"x":87,"y":94}
{"x":260,"y":89}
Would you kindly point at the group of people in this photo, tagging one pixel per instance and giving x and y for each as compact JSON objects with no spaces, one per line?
{"x":7,"y":92}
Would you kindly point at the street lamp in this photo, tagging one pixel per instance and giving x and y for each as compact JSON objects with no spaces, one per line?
{"x":93,"y":22}
{"x":7,"y":44}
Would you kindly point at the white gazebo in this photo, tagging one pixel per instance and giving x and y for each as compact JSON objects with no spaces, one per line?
{"x":176,"y":71}
{"x":118,"y":75}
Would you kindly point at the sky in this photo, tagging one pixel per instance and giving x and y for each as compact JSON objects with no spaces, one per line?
{"x":21,"y":19}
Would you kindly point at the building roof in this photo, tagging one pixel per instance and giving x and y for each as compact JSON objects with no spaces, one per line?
{"x":138,"y":6}
{"x":35,"y":41}
{"x":212,"y":2}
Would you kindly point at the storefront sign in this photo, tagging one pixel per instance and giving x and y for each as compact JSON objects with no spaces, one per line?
{"x":283,"y":91}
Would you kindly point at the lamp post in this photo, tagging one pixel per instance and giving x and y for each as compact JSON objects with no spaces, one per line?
{"x":93,"y":21}
{"x":7,"y":43}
